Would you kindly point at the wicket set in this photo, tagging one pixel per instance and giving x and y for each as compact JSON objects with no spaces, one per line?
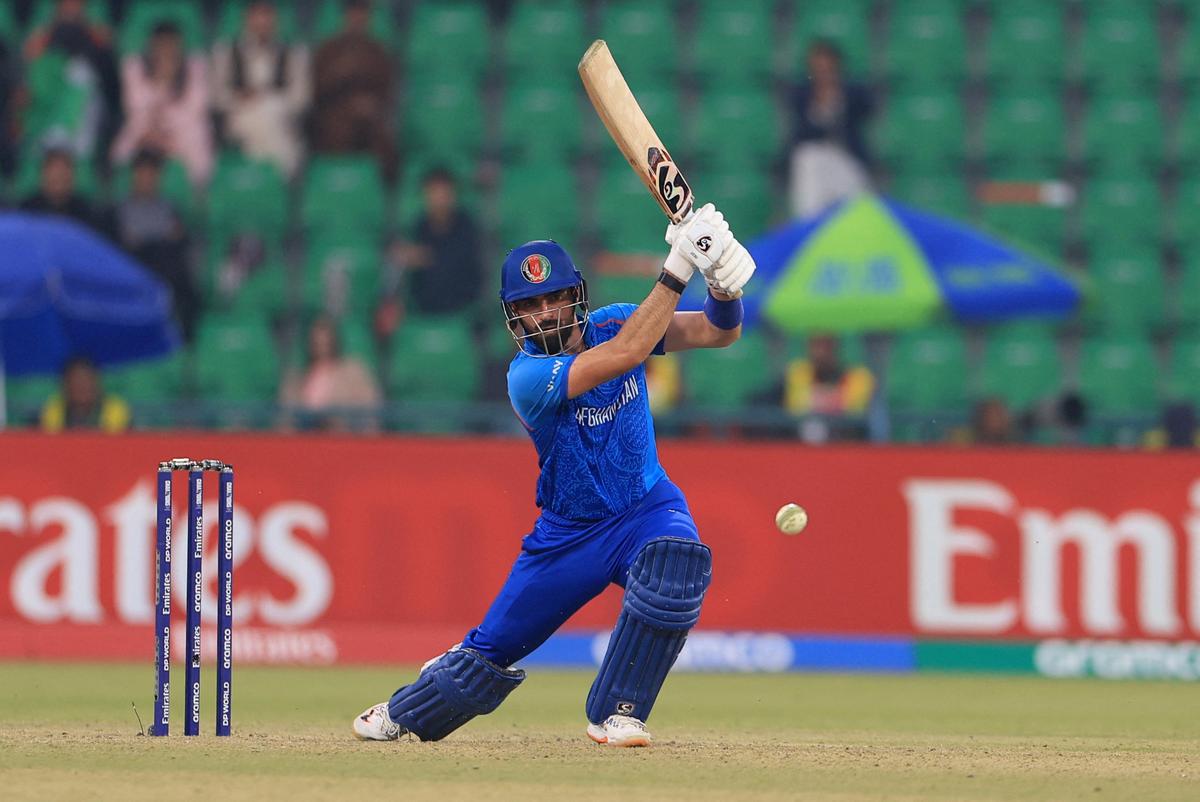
{"x":162,"y":594}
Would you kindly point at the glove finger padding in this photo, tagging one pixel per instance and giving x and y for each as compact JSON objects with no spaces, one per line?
{"x":733,"y":271}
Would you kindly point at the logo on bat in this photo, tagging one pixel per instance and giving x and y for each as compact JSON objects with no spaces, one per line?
{"x":673,"y":191}
{"x":535,"y":268}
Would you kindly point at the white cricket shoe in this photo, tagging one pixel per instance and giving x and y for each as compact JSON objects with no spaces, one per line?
{"x":376,"y":725}
{"x":620,"y":731}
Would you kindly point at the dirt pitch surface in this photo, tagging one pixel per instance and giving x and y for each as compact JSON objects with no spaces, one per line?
{"x":69,"y":732}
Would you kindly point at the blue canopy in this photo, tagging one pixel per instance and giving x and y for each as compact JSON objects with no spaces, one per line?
{"x":871,"y":263}
{"x":66,"y":291}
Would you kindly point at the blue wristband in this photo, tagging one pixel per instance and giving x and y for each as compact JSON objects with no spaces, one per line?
{"x":723,"y":314}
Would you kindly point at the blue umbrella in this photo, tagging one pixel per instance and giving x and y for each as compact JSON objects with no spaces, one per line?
{"x":67,"y":291}
{"x":870,"y":263}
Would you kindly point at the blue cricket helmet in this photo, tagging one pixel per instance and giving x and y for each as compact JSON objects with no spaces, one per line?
{"x":536,"y":268}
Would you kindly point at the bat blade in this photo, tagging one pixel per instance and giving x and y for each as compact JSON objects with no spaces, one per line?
{"x":632,"y":132}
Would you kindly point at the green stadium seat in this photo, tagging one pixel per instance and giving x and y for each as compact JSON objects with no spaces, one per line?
{"x":448,"y":40}
{"x":1025,"y":130}
{"x":60,"y":103}
{"x":1021,"y":365}
{"x":846,"y":23}
{"x":729,"y":379}
{"x":543,"y":122}
{"x":328,"y":21}
{"x":1121,"y":210}
{"x":732,"y":45}
{"x":609,"y":288}
{"x":247,"y":195}
{"x":1183,"y":371}
{"x":342,"y":276}
{"x":143,"y":15}
{"x":745,"y":197}
{"x":156,"y":381}
{"x":1037,"y":228}
{"x":628,"y":219}
{"x":934,"y":119}
{"x":1119,"y":47}
{"x":343,"y":194}
{"x":1185,"y":140}
{"x":1025,"y":42}
{"x":1186,"y":311}
{"x":926,"y":42}
{"x":1118,"y":375}
{"x":1185,"y":212}
{"x":10,"y":30}
{"x":642,"y":39}
{"x":230,"y":20}
{"x":1124,"y":133}
{"x":175,"y":187}
{"x":444,"y":120}
{"x":543,"y":42}
{"x":539,"y":201}
{"x":26,"y":395}
{"x":1130,"y":293}
{"x":736,"y":129}
{"x":927,"y":371}
{"x":358,"y":340}
{"x":235,"y":358}
{"x":945,"y":194}
{"x":434,"y":359}
{"x":1187,"y":51}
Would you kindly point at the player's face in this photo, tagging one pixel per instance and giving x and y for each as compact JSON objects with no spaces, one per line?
{"x":549,"y":320}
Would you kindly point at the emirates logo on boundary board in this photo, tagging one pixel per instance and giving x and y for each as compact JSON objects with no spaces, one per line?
{"x":535,"y":268}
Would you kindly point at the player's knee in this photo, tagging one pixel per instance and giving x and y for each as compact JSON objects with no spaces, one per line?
{"x":667,"y":582}
{"x":450,"y":691}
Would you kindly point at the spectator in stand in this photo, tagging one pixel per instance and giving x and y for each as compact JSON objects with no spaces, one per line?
{"x":152,"y":230}
{"x":829,"y":159}
{"x":443,"y":261}
{"x":56,"y":191}
{"x":330,"y":383}
{"x":166,"y":104}
{"x":822,"y":384}
{"x":82,"y":402}
{"x":261,"y":90}
{"x":353,"y":91}
{"x":89,"y":46}
{"x":992,"y":424}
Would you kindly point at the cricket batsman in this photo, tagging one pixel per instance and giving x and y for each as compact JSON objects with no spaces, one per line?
{"x":608,"y":511}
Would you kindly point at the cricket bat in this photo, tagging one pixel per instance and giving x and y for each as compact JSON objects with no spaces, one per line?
{"x":632,"y":132}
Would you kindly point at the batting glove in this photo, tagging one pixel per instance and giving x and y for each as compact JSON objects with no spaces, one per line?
{"x":697,"y":242}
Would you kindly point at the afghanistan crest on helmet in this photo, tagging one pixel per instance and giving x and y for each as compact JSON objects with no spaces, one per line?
{"x":535,"y":268}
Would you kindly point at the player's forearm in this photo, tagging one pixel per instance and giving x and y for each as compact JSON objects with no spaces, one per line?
{"x":647,"y":325}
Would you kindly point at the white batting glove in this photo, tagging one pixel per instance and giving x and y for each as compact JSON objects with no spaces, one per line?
{"x":697,"y":242}
{"x":731,"y":270}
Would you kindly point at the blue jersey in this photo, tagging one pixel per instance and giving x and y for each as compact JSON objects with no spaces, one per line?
{"x":596,"y":452}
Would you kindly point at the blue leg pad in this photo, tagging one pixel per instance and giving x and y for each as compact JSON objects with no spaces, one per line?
{"x":451,"y":691}
{"x":663,"y":594}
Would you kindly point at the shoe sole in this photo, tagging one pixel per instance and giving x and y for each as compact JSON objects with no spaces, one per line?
{"x":604,"y":740}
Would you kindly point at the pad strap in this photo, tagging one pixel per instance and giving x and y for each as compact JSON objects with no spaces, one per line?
{"x":452,"y":690}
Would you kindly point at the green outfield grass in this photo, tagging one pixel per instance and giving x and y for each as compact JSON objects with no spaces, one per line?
{"x":69,"y":732}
